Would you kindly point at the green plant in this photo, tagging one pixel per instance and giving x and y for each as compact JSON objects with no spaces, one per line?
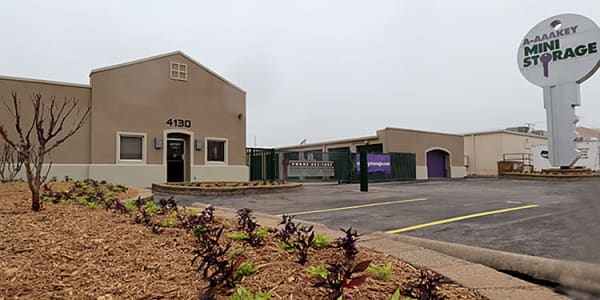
{"x":320,"y":270}
{"x":321,"y":241}
{"x":65,"y":201}
{"x":192,"y":212}
{"x":119,"y":188}
{"x":237,"y":252}
{"x":82,"y":200}
{"x":47,"y":198}
{"x":244,"y":270}
{"x":243,"y":294}
{"x":226,"y":224}
{"x":169,"y":223}
{"x":383,"y":272}
{"x":92,"y":205}
{"x":152,"y":208}
{"x":130,"y":205}
{"x":286,"y":247}
{"x":262,"y":232}
{"x":237,"y":236}
{"x":396,"y":296}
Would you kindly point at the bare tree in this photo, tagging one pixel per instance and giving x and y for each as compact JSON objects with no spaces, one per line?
{"x":47,"y":126}
{"x":10,"y":163}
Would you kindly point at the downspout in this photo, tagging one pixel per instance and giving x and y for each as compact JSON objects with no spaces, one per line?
{"x":474,"y":155}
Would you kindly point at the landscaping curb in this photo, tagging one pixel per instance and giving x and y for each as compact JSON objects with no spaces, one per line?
{"x":485,"y":280}
{"x":519,"y":176}
{"x":570,"y":274}
{"x":143,"y":193}
{"x":222,"y":191}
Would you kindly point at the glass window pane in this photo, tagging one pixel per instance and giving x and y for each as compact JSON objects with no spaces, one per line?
{"x":174,"y":74}
{"x":182,"y":68}
{"x":216,"y":151}
{"x":182,"y":75}
{"x":131,"y":147}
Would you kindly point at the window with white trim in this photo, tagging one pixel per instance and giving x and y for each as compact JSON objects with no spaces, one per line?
{"x":131,"y":147}
{"x":178,"y":71}
{"x":216,"y":150}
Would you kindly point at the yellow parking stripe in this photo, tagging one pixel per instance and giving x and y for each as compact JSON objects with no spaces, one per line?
{"x":455,"y":219}
{"x":353,"y":207}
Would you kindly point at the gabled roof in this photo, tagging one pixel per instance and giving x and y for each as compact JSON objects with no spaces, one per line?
{"x":142,"y":60}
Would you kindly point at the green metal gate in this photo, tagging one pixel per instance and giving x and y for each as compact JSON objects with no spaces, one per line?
{"x":342,"y":164}
{"x":404,"y":166}
{"x":265,"y":164}
{"x":262,"y":163}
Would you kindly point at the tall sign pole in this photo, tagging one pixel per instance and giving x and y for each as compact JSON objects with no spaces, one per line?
{"x":559,"y":54}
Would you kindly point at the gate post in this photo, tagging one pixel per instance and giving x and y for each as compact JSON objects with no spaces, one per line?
{"x":364,"y":172}
{"x":273,"y":165}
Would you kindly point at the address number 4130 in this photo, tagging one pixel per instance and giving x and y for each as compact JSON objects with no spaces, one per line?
{"x":179,"y":123}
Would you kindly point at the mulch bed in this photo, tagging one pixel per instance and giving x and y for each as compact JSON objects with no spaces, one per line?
{"x":69,"y":251}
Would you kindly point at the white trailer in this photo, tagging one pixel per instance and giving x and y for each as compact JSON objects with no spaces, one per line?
{"x":589,"y":150}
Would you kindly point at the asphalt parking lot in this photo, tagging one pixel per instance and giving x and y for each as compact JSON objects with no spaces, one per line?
{"x":544,"y":218}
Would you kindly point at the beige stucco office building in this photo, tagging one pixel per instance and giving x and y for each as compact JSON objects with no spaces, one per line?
{"x":484,"y":149}
{"x":162,"y":118}
{"x":436,"y":154}
{"x":586,"y":132}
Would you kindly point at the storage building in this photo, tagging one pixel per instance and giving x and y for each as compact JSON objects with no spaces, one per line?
{"x":157,"y":119}
{"x":436,"y":155}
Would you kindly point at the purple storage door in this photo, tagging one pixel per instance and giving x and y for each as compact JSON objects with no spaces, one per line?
{"x":436,"y":164}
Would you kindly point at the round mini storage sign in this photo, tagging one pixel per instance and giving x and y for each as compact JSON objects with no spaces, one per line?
{"x":560,"y":49}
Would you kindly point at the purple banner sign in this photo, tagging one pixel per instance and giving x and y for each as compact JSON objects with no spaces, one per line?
{"x":377,"y":163}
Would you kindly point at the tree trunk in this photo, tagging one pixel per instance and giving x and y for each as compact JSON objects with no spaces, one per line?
{"x":34,"y":186}
{"x":37,"y":179}
{"x":35,"y":199}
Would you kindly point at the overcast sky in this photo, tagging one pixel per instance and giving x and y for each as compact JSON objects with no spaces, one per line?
{"x":319,"y":69}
